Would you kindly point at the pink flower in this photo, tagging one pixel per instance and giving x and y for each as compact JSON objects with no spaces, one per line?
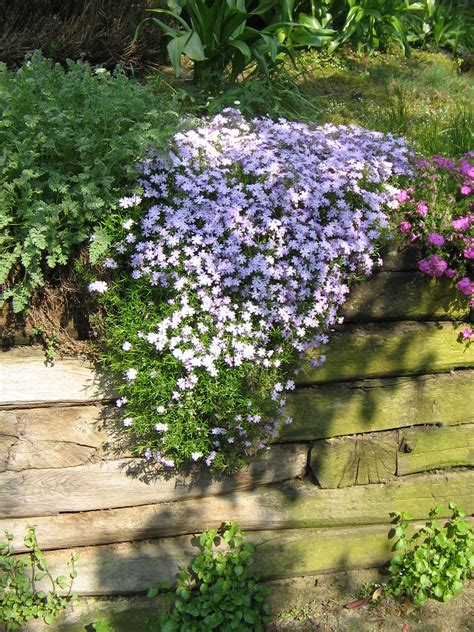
{"x":435,"y":239}
{"x":467,"y":333}
{"x":433,"y":266}
{"x":461,"y":223}
{"x":466,"y":286}
{"x":405,"y":227}
{"x":422,"y":209}
{"x":466,"y":189}
{"x":402,"y":196}
{"x":469,"y":252}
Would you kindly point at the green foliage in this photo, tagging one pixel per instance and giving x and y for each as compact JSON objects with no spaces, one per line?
{"x":218,"y":591}
{"x":433,"y":562}
{"x":374,"y":25}
{"x":235,"y":34}
{"x":20,"y":598}
{"x":69,"y":144}
{"x":102,"y":626}
{"x":441,"y":25}
{"x":50,"y":342}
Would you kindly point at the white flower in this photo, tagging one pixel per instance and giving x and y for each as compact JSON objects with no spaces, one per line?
{"x":126,"y":346}
{"x":160,"y":410}
{"x":131,"y":374}
{"x":196,"y":455}
{"x":161,"y":427}
{"x":128,"y":224}
{"x":127,"y":422}
{"x":98,"y":286}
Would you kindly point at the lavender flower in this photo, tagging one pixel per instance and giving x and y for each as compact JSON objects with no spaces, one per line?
{"x":252,"y":230}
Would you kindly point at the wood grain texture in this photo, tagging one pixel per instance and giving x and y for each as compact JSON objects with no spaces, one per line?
{"x":429,"y":448}
{"x":347,"y":408}
{"x":389,"y":349}
{"x":119,"y":483}
{"x":27,"y":380}
{"x":356,"y":460}
{"x":135,"y":566}
{"x":405,"y":296}
{"x":295,"y":504}
{"x":61,"y":436}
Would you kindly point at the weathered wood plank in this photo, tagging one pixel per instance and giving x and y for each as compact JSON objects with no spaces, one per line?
{"x":134,"y":567}
{"x":400,"y":257}
{"x":347,"y":408}
{"x":118,"y":483}
{"x":62,"y":436}
{"x":389,"y":349}
{"x":405,"y":296}
{"x":26,"y":379}
{"x":356,"y":460}
{"x":429,"y":448}
{"x":296,"y":504}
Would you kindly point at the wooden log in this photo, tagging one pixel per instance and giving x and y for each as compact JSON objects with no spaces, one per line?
{"x":389,"y":349}
{"x":429,"y":448}
{"x":332,"y":410}
{"x":62,"y":436}
{"x":397,"y":257}
{"x":356,"y":460}
{"x":405,"y":296}
{"x":123,"y":482}
{"x":295,"y":505}
{"x":28,"y":380}
{"x":134,"y":567}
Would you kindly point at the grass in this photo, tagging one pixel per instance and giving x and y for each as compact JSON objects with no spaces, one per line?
{"x":424,"y":98}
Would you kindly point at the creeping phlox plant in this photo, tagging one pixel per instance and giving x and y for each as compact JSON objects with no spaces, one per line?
{"x":438,"y":212}
{"x":236,"y":259}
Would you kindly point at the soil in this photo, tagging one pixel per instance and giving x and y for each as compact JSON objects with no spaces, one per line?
{"x":301,"y":604}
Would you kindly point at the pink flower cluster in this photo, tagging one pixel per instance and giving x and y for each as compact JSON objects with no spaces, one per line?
{"x":438,"y":214}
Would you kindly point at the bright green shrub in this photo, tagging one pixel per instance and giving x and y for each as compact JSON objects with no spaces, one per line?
{"x":69,"y":141}
{"x":218,"y":591}
{"x":435,"y":561}
{"x":21,"y":599}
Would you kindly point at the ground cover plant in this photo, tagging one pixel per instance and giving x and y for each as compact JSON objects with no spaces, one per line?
{"x":21,"y":599}
{"x":231,"y":264}
{"x":218,"y":590}
{"x":436,"y":212}
{"x":435,"y":561}
{"x":69,"y":144}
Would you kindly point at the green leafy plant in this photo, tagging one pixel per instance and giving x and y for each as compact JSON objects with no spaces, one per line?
{"x":440,"y":25}
{"x":234,"y":34}
{"x":218,"y":591}
{"x":69,"y":144}
{"x":433,"y":562}
{"x":20,"y":597}
{"x":372,"y":25}
{"x":50,"y":342}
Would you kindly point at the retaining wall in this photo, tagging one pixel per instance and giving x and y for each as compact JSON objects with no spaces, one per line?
{"x":385,"y":425}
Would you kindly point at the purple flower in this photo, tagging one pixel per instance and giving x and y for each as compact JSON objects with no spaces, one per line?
{"x":461,"y":223}
{"x":466,"y":286}
{"x":435,"y":239}
{"x":405,"y":227}
{"x":433,"y":266}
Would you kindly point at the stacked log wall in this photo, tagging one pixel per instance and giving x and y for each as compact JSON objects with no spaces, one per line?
{"x":386,"y":424}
